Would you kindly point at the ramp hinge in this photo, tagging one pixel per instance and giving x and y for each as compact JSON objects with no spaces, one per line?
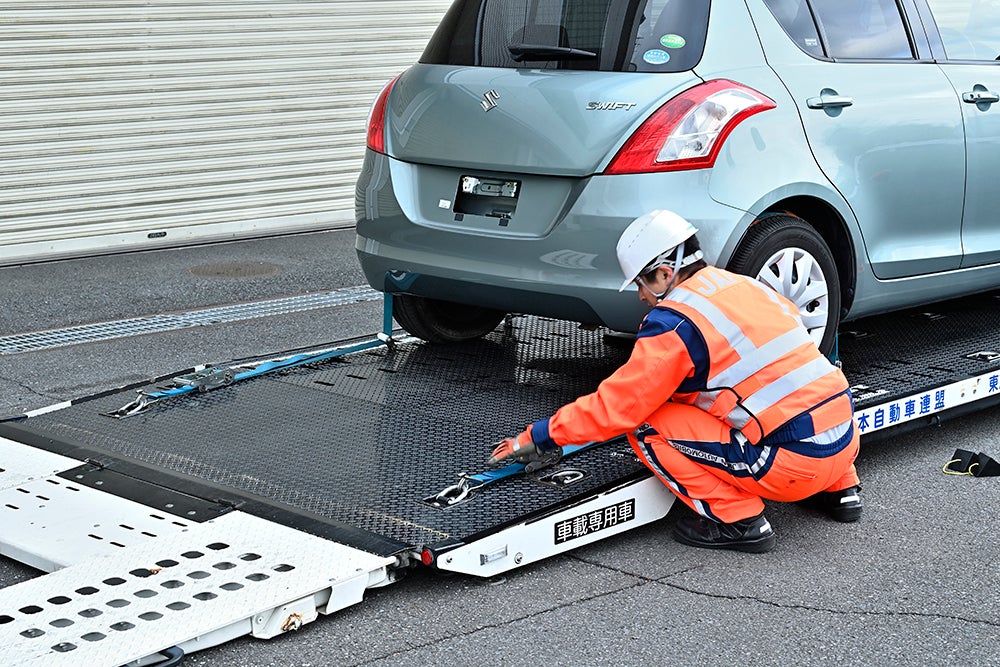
{"x":100,"y":465}
{"x":225,"y":502}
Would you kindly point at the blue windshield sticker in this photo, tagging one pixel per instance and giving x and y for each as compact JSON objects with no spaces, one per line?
{"x":672,"y":41}
{"x":656,"y":56}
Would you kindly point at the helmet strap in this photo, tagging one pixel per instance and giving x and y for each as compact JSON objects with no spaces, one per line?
{"x":678,"y":264}
{"x":650,"y":289}
{"x":678,"y":259}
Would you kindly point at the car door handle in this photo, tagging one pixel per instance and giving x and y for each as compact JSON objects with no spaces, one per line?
{"x":828,"y":101}
{"x":980,"y":97}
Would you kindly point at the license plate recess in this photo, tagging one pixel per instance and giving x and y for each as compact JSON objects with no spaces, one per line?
{"x":492,"y":197}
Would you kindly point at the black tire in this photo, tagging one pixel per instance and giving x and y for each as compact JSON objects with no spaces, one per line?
{"x":787,"y":254}
{"x":442,"y":321}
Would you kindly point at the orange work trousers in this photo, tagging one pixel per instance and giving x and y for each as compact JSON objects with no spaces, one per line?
{"x":697,"y":456}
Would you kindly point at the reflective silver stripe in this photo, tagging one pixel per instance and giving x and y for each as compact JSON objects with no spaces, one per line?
{"x":738,"y":417}
{"x":725,"y":326}
{"x":730,"y":464}
{"x":788,"y":384}
{"x":752,"y":359}
{"x":705,"y":399}
{"x":765,"y":452}
{"x":699,"y":505}
{"x":831,"y":435}
{"x":764,"y":356}
{"x":658,"y":469}
{"x":754,"y":467}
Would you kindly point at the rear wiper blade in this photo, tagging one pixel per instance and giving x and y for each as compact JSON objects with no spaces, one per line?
{"x":522,"y":52}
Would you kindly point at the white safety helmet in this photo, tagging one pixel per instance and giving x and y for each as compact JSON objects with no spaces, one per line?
{"x":650,"y":240}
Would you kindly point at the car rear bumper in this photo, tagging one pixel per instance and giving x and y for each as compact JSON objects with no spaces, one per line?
{"x":554,"y":256}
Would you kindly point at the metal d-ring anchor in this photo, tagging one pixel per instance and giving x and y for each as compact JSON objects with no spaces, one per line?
{"x":455,"y":493}
{"x":564,"y":477}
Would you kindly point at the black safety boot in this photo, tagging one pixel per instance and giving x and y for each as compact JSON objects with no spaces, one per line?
{"x":843,"y":505}
{"x":753,"y":535}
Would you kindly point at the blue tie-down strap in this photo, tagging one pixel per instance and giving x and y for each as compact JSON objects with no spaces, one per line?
{"x":215,"y":377}
{"x":490,"y":476}
{"x":461,"y":490}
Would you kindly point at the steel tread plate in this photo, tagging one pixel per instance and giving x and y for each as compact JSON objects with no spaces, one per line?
{"x":912,"y":351}
{"x":114,"y":609}
{"x":362,"y":439}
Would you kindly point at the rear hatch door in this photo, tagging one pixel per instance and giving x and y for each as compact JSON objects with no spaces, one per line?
{"x":521,"y":121}
{"x":542,"y":86}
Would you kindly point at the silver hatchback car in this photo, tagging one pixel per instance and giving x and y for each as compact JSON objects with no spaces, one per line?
{"x":845,"y":152}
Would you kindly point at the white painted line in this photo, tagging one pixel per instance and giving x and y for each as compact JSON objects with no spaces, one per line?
{"x":101,"y":331}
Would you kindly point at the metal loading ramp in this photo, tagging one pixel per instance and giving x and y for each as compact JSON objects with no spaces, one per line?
{"x":134,"y":584}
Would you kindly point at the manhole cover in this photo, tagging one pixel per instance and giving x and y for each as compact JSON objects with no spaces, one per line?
{"x":236,"y":270}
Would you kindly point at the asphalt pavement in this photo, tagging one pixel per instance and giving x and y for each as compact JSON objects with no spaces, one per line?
{"x":915,"y":582}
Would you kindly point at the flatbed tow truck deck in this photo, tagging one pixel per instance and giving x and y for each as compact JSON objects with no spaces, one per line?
{"x":251,"y":508}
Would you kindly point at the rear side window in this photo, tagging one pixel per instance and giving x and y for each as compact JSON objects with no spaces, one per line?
{"x":970,"y":29}
{"x":864,"y":29}
{"x":797,"y":20}
{"x":598,"y":35}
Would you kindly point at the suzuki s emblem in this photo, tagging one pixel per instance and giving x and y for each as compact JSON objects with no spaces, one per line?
{"x":490,"y":98}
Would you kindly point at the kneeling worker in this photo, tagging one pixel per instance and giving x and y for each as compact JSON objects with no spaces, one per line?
{"x":725,"y":397}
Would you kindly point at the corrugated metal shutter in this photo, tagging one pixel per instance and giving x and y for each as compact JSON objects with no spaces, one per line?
{"x":132,"y":123}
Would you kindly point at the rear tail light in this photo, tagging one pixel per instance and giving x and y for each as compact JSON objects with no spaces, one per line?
{"x":376,"y":119}
{"x":688,"y":131}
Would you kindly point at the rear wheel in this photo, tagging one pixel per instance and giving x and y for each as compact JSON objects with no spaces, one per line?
{"x":442,"y":321}
{"x":791,"y":257}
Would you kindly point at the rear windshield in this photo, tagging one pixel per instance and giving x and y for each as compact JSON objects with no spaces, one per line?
{"x":600,"y":35}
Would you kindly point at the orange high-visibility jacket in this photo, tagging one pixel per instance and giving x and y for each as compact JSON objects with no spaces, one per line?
{"x":719,"y":341}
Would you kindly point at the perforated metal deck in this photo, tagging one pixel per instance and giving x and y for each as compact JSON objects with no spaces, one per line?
{"x":193,"y":588}
{"x":135,"y":583}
